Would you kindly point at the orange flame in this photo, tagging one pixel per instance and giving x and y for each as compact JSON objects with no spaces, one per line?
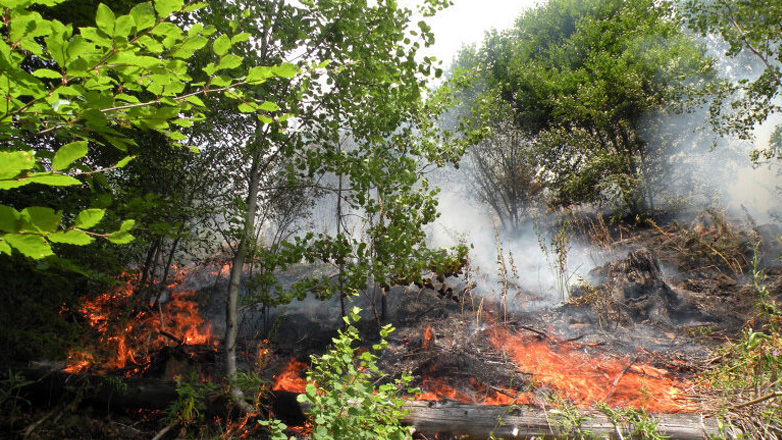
{"x":126,"y":339}
{"x":290,"y":379}
{"x":427,"y":337}
{"x":586,"y":381}
{"x":437,"y":389}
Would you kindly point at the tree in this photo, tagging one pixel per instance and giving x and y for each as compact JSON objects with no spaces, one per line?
{"x":67,"y":89}
{"x":580,"y":76}
{"x":504,"y":174}
{"x":366,"y":84}
{"x":749,"y":28}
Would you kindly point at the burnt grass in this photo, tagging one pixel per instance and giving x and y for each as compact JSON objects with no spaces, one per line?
{"x":674,"y":294}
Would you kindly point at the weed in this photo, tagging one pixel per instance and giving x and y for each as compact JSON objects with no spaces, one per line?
{"x":503,"y":273}
{"x":190,"y":404}
{"x":11,"y":388}
{"x":342,"y":393}
{"x":585,"y":294}
{"x":750,"y":374}
{"x":560,"y":243}
{"x":637,"y":423}
{"x":567,"y":420}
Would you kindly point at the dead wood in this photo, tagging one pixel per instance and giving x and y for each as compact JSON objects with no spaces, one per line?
{"x":107,"y":391}
{"x":769,"y":396}
{"x":636,"y":284}
{"x":475,"y":421}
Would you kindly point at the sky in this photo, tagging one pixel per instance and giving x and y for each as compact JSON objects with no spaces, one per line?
{"x":467,"y":20}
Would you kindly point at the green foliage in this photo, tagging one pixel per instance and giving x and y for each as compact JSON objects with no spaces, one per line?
{"x":11,"y":387}
{"x":67,"y":91}
{"x":345,"y":402}
{"x":749,"y":375}
{"x":567,"y":421}
{"x":371,"y":97}
{"x":751,"y":30}
{"x":638,"y":423}
{"x":190,"y":404}
{"x":579,"y":78}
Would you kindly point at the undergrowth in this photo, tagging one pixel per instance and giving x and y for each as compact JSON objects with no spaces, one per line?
{"x":750,"y":374}
{"x":345,"y":402}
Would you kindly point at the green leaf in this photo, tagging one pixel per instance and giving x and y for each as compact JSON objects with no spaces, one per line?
{"x":47,"y":73}
{"x":78,"y":238}
{"x":195,"y":7}
{"x":269,"y":106}
{"x":69,"y":153}
{"x":104,"y":19}
{"x":4,"y":247}
{"x":127,"y":225}
{"x":11,"y":184}
{"x":124,"y":25}
{"x":164,"y":8}
{"x":144,"y":16}
{"x":230,"y":61}
{"x":14,"y":162}
{"x":39,"y":219}
{"x":89,"y":218}
{"x":259,"y":74}
{"x":53,"y":179}
{"x":195,"y":100}
{"x":285,"y":70}
{"x":240,"y":38}
{"x":31,"y":246}
{"x":9,"y":218}
{"x":311,"y":390}
{"x":120,"y":237}
{"x":125,"y":160}
{"x":221,"y":45}
{"x":246,"y":107}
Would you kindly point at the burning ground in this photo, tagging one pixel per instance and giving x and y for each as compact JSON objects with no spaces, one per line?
{"x":639,"y":333}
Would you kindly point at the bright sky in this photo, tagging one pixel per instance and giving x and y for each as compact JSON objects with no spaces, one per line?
{"x":466,"y":21}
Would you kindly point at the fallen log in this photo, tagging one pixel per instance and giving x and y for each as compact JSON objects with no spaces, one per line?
{"x":468,"y":421}
{"x":101,"y":390}
{"x":476,"y":421}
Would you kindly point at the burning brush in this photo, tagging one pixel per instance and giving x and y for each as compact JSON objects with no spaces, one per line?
{"x":127,"y":338}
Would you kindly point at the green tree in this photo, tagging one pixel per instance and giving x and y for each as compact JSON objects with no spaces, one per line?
{"x":580,"y":77}
{"x":68,"y":89}
{"x":366,"y":84}
{"x":749,"y":28}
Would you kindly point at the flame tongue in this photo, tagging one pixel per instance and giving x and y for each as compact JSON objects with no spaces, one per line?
{"x":290,"y":379}
{"x":437,"y":389}
{"x":127,"y":339}
{"x":586,"y":381}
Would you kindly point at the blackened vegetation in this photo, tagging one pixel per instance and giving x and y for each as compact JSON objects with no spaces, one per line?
{"x":636,"y":287}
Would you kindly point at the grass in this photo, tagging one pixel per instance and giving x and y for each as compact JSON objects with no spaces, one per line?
{"x":749,"y":376}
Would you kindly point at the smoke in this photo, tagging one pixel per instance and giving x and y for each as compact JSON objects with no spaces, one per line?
{"x":524,"y":260}
{"x":701,"y":169}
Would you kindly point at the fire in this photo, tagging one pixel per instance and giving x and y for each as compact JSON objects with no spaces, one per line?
{"x":126,"y":338}
{"x":222,"y":271}
{"x":437,"y":389}
{"x":290,"y":378}
{"x":427,"y":339}
{"x":586,"y":381}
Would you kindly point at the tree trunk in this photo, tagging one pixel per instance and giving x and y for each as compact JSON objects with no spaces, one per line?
{"x":232,"y":301}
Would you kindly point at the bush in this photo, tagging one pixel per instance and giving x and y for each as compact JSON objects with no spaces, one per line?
{"x":344,"y":401}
